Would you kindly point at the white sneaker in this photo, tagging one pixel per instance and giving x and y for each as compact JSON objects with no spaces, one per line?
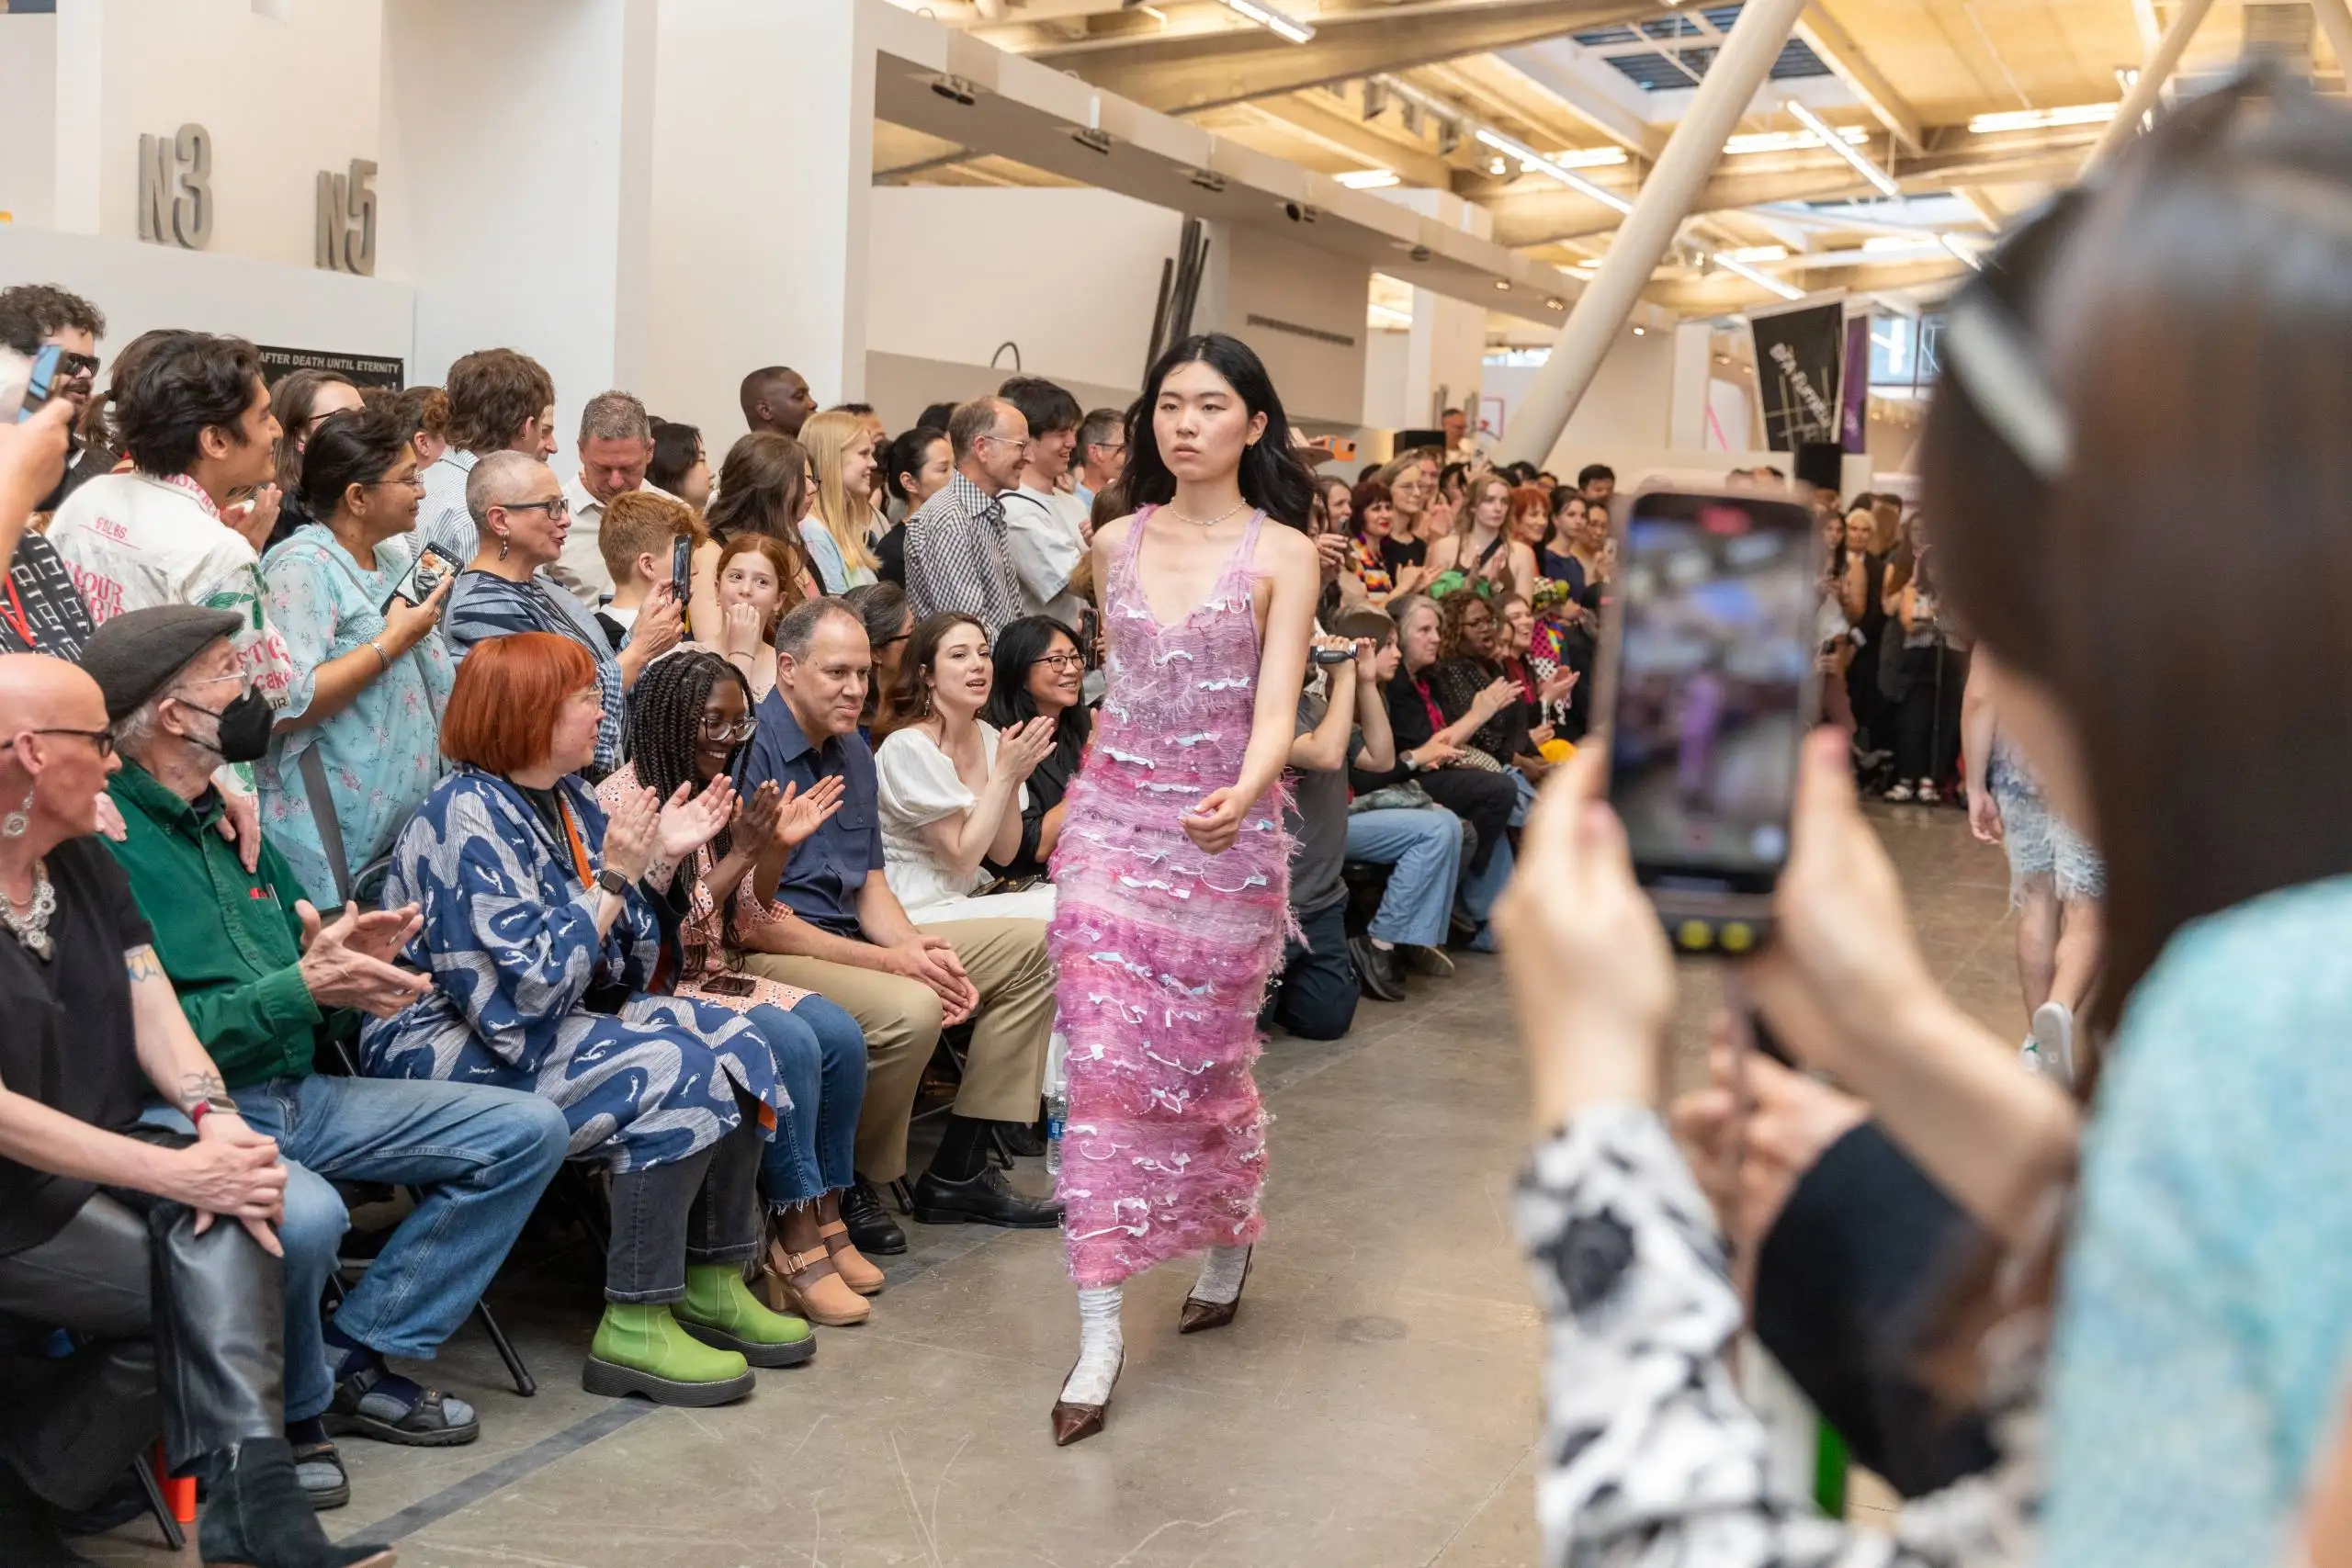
{"x":1900,"y":794}
{"x":2053,"y":1043}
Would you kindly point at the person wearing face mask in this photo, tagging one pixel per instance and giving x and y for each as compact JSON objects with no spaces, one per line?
{"x":265,"y":984}
{"x":1172,"y":874}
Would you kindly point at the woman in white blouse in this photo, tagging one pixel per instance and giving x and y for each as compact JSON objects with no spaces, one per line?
{"x":950,"y":785}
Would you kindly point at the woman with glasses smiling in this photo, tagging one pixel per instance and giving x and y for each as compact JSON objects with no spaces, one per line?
{"x":1040,"y":674}
{"x":689,"y":720}
{"x":365,"y":747}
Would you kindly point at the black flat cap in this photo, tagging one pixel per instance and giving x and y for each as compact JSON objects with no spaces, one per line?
{"x":135,"y":655}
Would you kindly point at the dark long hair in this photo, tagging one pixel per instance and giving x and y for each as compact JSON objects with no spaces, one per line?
{"x":1272,"y":477}
{"x":762,"y":490}
{"x":1018,"y":648}
{"x":910,"y":702}
{"x":675,"y":448}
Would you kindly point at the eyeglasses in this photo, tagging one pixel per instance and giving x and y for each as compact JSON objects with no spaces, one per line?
{"x":414,"y":482}
{"x":101,"y":738}
{"x":556,"y":508}
{"x":1022,"y":445}
{"x":719,"y":730}
{"x":1063,"y":661}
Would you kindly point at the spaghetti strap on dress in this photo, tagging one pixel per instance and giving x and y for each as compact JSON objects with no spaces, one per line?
{"x":1163,"y":951}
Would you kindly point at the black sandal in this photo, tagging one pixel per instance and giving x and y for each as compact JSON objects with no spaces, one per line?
{"x":322,"y":1499}
{"x":425,"y":1425}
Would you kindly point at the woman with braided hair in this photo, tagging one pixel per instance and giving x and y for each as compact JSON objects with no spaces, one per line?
{"x":689,"y":718}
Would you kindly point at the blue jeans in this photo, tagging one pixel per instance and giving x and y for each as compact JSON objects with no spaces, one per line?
{"x":820,"y":1060}
{"x":478,"y":1157}
{"x":1423,"y":849}
{"x":1479,"y":892}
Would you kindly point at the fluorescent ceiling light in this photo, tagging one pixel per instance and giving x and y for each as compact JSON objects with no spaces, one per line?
{"x":1368,"y":179}
{"x":1288,"y":28}
{"x":1588,"y":158}
{"x":1762,"y":279}
{"x":1388,"y":315}
{"x":1753,"y":254}
{"x":1785,"y":141}
{"x":1951,"y":243}
{"x":1837,"y":143}
{"x":1899,"y":242}
{"x":1531,"y":159}
{"x":2042,"y":120}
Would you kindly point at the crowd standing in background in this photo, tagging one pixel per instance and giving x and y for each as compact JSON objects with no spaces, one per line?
{"x":381,"y":801}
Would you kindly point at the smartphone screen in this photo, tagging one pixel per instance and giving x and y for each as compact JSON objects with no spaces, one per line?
{"x":1712,"y":685}
{"x":431,"y":566}
{"x":682,"y":570}
{"x":26,"y":384}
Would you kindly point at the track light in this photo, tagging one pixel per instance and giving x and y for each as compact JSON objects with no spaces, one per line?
{"x":1530,"y":158}
{"x":1762,"y":279}
{"x":1288,"y":28}
{"x":1837,"y":143}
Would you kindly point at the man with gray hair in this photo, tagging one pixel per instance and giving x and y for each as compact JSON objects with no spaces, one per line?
{"x":959,"y":552}
{"x":616,"y":444}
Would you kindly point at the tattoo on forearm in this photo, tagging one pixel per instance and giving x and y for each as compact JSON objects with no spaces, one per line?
{"x":197,"y":1088}
{"x":142,"y":964}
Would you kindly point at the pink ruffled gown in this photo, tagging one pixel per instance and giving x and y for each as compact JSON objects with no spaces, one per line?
{"x":1163,"y":951}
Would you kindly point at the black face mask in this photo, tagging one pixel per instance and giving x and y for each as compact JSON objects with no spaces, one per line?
{"x":242,"y":729}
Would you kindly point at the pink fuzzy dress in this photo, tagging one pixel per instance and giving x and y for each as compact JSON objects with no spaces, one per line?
{"x":1163,"y":951}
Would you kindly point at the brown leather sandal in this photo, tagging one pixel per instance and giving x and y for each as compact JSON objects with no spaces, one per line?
{"x":805,"y":1284}
{"x":861,"y":1275}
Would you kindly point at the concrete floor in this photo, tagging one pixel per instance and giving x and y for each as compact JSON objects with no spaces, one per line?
{"x":1375,"y":1403}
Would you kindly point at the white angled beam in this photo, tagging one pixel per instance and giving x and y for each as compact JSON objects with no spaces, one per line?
{"x":2336,"y":21}
{"x":2154,"y":72}
{"x":1550,"y":67}
{"x":1829,"y":39}
{"x":2144,"y":16}
{"x":1690,"y":156}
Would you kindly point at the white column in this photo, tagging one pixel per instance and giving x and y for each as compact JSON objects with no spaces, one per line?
{"x":2154,"y":72}
{"x":515,"y":183}
{"x":764,"y":161}
{"x":1694,"y":365}
{"x":2336,"y":21}
{"x":1641,"y":240}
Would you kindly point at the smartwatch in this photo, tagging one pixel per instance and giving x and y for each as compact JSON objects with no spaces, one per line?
{"x":614,"y":883}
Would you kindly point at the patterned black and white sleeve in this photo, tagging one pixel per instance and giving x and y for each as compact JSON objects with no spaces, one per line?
{"x":1651,"y":1457}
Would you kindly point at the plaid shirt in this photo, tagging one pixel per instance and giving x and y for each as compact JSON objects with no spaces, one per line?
{"x":958,"y":557}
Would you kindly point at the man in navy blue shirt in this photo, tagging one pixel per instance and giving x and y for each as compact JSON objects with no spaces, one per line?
{"x":848,"y":939}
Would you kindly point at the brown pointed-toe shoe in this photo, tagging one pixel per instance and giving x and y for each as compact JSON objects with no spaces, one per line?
{"x":1197,"y":1315}
{"x":1075,"y":1423}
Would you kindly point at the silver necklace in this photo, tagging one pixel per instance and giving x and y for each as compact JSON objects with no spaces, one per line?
{"x":32,"y":928}
{"x":1207,"y":522}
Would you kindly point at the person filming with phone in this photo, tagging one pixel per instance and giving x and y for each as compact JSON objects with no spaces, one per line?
{"x":359,"y":604}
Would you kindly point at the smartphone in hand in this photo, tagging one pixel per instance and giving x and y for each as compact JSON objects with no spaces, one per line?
{"x":682,"y":570}
{"x":1709,"y":674}
{"x":425,"y":574}
{"x":28,"y":383}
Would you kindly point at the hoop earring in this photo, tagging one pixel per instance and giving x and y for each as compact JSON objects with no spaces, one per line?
{"x":20,"y":822}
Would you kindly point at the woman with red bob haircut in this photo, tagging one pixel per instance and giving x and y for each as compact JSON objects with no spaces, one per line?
{"x":541,"y":945}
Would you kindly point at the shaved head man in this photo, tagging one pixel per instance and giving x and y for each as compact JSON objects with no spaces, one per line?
{"x":777,"y":399}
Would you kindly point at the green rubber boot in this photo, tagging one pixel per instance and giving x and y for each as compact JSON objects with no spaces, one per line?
{"x":640,"y":1348}
{"x":720,"y":1310}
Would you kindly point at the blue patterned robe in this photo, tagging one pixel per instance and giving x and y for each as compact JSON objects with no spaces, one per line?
{"x":510,"y":940}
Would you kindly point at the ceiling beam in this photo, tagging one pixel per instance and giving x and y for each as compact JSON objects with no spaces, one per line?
{"x":1511,"y":92}
{"x":1533,"y":213}
{"x":1352,"y":138}
{"x":1557,"y":69}
{"x":1176,"y":73}
{"x":1722,"y":292}
{"x":1829,"y":39}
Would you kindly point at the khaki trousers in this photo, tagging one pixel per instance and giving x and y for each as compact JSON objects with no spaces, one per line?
{"x":1006,"y":960}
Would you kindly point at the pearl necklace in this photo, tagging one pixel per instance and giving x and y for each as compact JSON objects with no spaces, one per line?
{"x":32,"y":928}
{"x":1200,"y":522}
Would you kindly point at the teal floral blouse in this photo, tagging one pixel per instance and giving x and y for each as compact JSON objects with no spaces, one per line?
{"x":382,"y":754}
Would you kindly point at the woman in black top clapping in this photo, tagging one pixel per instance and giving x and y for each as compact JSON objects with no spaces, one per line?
{"x":1040,"y":673}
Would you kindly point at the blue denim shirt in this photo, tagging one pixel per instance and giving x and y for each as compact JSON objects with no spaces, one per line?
{"x":822,"y":879}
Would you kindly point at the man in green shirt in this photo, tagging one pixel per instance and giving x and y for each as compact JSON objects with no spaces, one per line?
{"x":265,"y":984}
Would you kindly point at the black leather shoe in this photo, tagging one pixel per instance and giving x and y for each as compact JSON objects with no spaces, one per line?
{"x":29,"y":1529}
{"x":257,"y":1515}
{"x":1019,"y":1140}
{"x":870,"y":1224}
{"x":987,"y":1199}
{"x":1376,"y":973}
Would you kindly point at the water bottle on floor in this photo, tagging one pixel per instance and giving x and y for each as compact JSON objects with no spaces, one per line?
{"x":1056,"y":1100}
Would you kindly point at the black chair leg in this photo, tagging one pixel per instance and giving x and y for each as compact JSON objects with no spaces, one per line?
{"x":904,"y":1194}
{"x":174,"y":1536}
{"x":525,"y":1384}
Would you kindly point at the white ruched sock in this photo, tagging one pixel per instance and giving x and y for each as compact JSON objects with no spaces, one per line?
{"x":1099,"y":1347}
{"x":1221,"y":1273}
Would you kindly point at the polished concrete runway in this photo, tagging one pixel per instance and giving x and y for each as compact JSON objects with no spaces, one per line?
{"x":1375,"y":1403}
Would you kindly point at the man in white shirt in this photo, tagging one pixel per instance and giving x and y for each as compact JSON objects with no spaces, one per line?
{"x":499,"y":401}
{"x":1100,"y":459}
{"x":1044,"y":524}
{"x":195,"y":422}
{"x":616,"y":444}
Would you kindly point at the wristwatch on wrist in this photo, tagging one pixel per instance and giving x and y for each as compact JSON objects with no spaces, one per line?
{"x":613,"y":882}
{"x":209,"y":1104}
{"x":1412,"y":763}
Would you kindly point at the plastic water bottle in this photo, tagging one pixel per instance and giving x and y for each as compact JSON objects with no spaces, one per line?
{"x":1056,"y":1100}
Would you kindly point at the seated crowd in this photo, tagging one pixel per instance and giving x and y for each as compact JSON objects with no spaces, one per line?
{"x":384,"y":806}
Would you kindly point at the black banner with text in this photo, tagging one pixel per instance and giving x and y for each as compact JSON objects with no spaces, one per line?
{"x":1799,"y":355}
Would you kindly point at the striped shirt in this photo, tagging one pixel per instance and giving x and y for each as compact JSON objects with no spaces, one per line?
{"x":482,"y":606}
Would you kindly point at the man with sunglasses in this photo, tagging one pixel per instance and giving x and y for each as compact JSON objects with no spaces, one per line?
{"x":40,"y":609}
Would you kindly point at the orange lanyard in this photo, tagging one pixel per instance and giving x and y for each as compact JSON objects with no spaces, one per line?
{"x":579,"y":850}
